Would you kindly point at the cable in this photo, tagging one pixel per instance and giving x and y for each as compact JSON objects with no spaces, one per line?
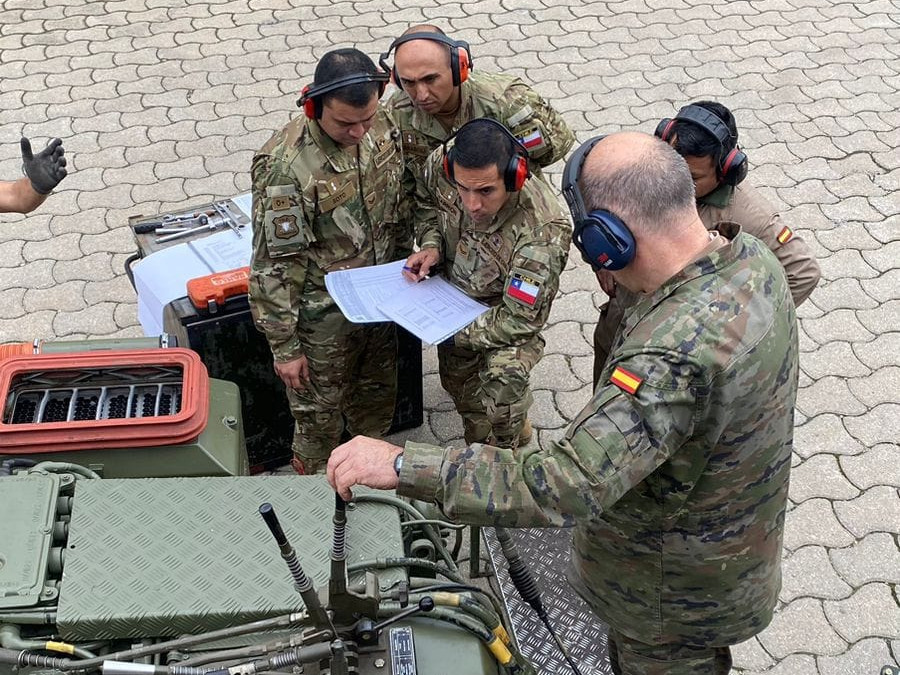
{"x":527,"y":588}
{"x":432,"y":534}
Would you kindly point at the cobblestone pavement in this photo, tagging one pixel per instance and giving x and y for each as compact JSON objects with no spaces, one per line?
{"x":162,"y":102}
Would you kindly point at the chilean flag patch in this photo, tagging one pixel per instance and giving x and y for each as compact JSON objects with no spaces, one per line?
{"x":524,"y":289}
{"x":533,"y":140}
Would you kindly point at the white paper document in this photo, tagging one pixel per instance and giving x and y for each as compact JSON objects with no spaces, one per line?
{"x":359,"y":292}
{"x":432,"y":309}
{"x":162,"y":276}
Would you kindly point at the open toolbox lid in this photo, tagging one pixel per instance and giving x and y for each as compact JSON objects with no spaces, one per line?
{"x":109,"y":399}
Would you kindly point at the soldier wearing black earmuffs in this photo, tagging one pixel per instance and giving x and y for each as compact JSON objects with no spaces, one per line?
{"x":705,"y":134}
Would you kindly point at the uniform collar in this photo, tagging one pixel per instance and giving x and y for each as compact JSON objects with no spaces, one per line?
{"x":719,"y":198}
{"x":429,"y":125}
{"x":708,"y":264}
{"x":337,"y":157}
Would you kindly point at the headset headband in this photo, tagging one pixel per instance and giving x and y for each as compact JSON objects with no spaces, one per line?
{"x":571,"y":172}
{"x":709,"y":122}
{"x":520,"y":147}
{"x":317,"y":90}
{"x":434,"y":37}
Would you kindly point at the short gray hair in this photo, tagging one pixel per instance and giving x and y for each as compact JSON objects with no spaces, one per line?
{"x":648,"y":193}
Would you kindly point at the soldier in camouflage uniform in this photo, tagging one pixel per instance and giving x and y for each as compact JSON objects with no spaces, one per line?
{"x":503,"y":238}
{"x":325,"y":197}
{"x":675,"y":475}
{"x":717,"y":201}
{"x":437,"y":95}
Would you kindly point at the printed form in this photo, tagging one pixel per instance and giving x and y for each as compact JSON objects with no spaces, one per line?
{"x":432,"y":309}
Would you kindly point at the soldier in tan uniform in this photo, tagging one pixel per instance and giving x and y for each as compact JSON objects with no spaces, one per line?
{"x":503,"y":238}
{"x":43,"y":172}
{"x":439,"y":92}
{"x":326,"y":194}
{"x":705,"y":134}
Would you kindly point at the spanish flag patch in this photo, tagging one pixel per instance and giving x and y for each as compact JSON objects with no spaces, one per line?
{"x":785,"y":235}
{"x":625,"y":381}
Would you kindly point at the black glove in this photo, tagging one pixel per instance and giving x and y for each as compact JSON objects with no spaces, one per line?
{"x":47,"y":169}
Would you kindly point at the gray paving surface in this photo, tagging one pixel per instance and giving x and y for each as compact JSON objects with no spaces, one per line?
{"x":162,"y":102}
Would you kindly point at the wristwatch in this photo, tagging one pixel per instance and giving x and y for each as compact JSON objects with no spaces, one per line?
{"x":398,"y":463}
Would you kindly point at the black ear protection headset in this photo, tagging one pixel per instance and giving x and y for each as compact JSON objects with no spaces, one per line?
{"x":602,"y":237}
{"x":516,"y":171}
{"x":460,"y":56}
{"x":731,"y":166}
{"x":311,"y":96}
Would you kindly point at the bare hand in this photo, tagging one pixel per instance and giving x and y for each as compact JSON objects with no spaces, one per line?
{"x":294,"y":373}
{"x":607,"y":282}
{"x":363,"y":461}
{"x":420,"y":263}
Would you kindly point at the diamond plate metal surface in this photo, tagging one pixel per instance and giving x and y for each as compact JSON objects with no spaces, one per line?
{"x":165,"y":556}
{"x":546,"y":551}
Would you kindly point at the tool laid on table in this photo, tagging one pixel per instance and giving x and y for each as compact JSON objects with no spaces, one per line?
{"x":171,"y":220}
{"x":203,"y":223}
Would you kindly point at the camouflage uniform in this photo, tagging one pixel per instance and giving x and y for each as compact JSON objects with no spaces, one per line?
{"x":743,"y":205}
{"x":310,"y":218}
{"x":512,"y":264}
{"x":677,"y":492}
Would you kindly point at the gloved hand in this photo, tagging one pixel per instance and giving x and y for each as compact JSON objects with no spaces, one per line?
{"x":47,"y":169}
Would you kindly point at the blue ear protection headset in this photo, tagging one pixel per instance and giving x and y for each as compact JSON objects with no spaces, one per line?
{"x":603,"y":238}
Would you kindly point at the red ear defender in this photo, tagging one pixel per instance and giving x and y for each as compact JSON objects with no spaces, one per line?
{"x":463,"y":64}
{"x":309,"y":103}
{"x":521,"y":172}
{"x":448,"y":166}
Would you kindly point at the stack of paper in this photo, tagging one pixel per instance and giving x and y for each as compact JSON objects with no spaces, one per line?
{"x":432,"y":309}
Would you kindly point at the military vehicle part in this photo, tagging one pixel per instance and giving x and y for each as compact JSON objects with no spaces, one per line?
{"x":177,"y":576}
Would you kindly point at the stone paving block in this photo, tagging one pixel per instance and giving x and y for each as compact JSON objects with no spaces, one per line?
{"x":848,"y":235}
{"x":880,"y":387}
{"x":11,"y":253}
{"x":840,"y":325}
{"x":96,"y":319}
{"x":877,"y":466}
{"x":885,"y":287}
{"x":60,"y":247}
{"x":125,"y":317}
{"x":813,"y":523}
{"x":820,"y":477}
{"x":874,"y":558}
{"x":866,"y":657}
{"x":582,"y":367}
{"x":749,"y":655}
{"x":12,"y":304}
{"x":37,"y":275}
{"x":88,"y":268}
{"x":882,"y":351}
{"x":69,"y":295}
{"x":833,"y":358}
{"x":434,"y":398}
{"x":446,"y":426}
{"x":808,"y":573}
{"x":115,"y":290}
{"x":871,"y":611}
{"x":795,"y":664}
{"x":26,"y":328}
{"x":553,"y":372}
{"x":844,"y":263}
{"x":876,"y":510}
{"x":799,"y":627}
{"x":879,"y":425}
{"x":828,"y":394}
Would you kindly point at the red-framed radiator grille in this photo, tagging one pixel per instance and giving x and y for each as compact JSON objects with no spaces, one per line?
{"x":105,"y":399}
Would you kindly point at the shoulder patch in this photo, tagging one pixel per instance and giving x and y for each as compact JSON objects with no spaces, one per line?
{"x":524,"y":288}
{"x":625,"y":380}
{"x":785,"y":235}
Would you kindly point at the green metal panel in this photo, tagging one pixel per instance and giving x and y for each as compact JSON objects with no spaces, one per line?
{"x":161,"y":557}
{"x":218,"y":451}
{"x":27,"y":514}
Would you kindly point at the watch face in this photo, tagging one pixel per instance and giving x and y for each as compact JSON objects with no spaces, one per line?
{"x":398,"y":463}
